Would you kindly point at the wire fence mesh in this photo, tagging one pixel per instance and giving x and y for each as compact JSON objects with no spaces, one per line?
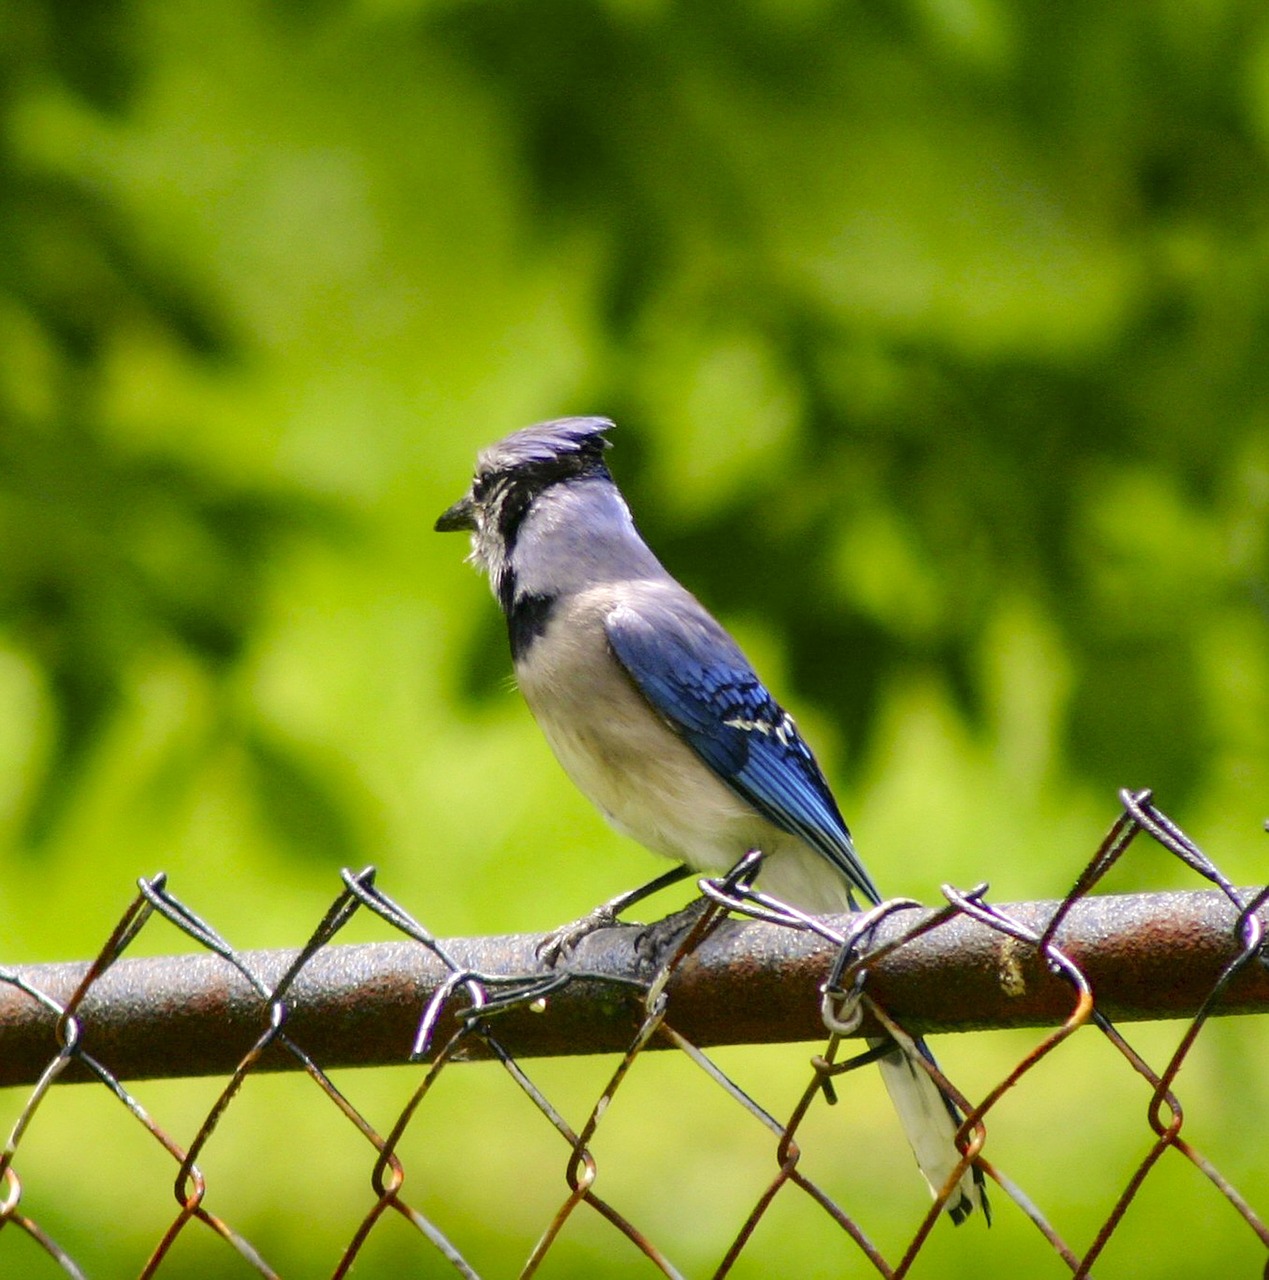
{"x":686,"y":985}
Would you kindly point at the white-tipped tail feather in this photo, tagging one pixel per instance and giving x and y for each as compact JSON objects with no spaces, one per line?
{"x":930,"y":1125}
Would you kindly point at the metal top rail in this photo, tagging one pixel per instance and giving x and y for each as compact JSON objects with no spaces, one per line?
{"x":1147,"y":956}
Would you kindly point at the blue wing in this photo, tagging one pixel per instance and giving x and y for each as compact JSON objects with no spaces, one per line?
{"x":697,"y":680}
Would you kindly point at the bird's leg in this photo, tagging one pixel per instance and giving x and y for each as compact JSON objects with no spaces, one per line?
{"x":659,"y":939}
{"x":560,"y":943}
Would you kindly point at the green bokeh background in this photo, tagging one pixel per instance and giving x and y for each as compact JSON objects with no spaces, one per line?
{"x":936,"y":336}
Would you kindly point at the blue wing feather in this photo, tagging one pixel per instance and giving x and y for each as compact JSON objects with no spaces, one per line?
{"x":698,"y":681}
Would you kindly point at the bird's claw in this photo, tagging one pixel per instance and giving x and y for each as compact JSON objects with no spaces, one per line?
{"x":560,"y":943}
{"x":657,"y":941}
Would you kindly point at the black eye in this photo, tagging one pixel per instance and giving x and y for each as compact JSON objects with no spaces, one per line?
{"x":480,"y":487}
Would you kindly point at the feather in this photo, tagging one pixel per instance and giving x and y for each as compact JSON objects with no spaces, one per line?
{"x":701,"y":685}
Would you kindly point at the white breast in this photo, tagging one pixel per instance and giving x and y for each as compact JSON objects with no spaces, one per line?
{"x":640,"y":774}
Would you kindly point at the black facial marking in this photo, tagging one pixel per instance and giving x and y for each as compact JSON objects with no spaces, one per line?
{"x":510,"y":494}
{"x":511,"y":500}
{"x":526,"y":621}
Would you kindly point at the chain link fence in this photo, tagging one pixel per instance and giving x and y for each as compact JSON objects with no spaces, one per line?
{"x":737,"y":968}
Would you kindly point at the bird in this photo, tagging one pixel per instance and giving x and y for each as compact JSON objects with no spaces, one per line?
{"x":660,"y":720}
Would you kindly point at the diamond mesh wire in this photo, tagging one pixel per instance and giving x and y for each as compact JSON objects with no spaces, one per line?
{"x":467,"y":1012}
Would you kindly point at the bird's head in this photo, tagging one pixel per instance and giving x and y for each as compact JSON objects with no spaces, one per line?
{"x":512,"y":474}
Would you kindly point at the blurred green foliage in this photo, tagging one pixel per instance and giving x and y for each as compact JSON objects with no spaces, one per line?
{"x":936,"y":335}
{"x":110,"y":552}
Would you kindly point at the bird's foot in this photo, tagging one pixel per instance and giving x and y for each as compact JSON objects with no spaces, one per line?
{"x":560,"y":943}
{"x":658,"y":941}
{"x":653,"y":945}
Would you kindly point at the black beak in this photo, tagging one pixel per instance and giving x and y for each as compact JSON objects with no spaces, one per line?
{"x":462,"y":515}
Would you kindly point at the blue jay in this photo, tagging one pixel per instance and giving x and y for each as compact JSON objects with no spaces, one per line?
{"x":657,"y":716}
